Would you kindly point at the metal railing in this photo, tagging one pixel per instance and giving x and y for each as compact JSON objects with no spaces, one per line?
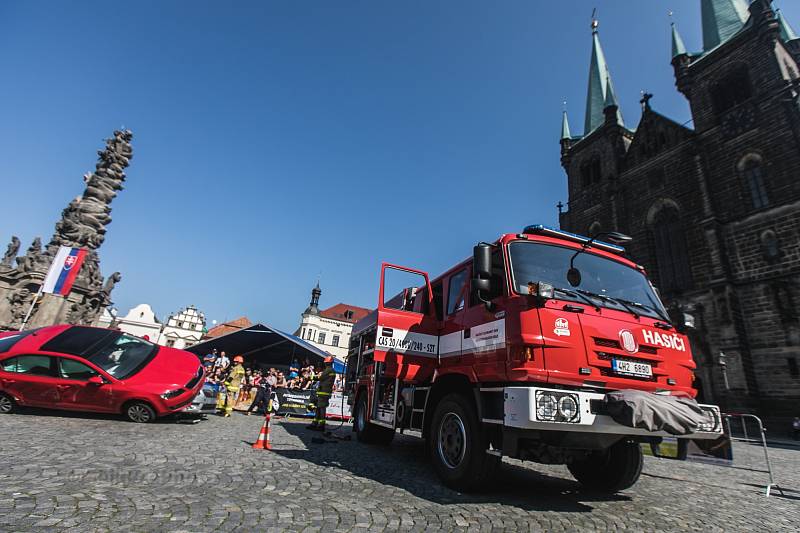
{"x":743,"y":417}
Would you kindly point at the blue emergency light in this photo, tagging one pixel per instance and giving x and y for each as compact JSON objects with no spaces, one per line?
{"x":540,"y":229}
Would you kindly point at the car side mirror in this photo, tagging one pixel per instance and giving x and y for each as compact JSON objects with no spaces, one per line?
{"x":96,"y":380}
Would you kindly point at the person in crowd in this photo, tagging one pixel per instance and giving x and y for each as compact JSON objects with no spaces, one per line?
{"x":326,"y":379}
{"x":222,"y":361}
{"x":233,"y":383}
{"x":281,"y":381}
{"x":263,"y":393}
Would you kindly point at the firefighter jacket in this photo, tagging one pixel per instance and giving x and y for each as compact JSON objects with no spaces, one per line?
{"x":235,"y":378}
{"x":326,"y":380}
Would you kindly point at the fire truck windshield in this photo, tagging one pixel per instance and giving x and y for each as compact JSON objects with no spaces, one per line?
{"x":607,"y":282}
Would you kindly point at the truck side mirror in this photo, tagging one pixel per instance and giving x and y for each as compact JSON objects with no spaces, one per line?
{"x":482,"y":272}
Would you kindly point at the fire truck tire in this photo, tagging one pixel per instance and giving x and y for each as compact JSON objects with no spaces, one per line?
{"x":612,"y":470}
{"x":457,"y":446}
{"x":367,"y":432}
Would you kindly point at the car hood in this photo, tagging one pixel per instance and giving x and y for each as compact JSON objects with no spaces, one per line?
{"x":170,"y":367}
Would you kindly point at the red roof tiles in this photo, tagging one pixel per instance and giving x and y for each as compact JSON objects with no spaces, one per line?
{"x":345,"y":313}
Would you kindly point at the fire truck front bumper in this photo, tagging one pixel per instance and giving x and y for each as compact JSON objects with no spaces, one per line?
{"x":543,"y":409}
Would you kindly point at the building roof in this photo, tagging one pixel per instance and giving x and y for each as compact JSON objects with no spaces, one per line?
{"x":345,"y":313}
{"x":228,"y":327}
{"x":721,"y":20}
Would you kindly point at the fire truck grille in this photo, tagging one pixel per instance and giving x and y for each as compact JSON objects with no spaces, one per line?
{"x":611,"y":343}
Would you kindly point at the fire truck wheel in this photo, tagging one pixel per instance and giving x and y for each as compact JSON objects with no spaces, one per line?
{"x":458,"y":447}
{"x":367,"y":432}
{"x":615,"y":469}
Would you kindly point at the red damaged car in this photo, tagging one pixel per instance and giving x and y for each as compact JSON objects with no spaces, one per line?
{"x":91,"y":369}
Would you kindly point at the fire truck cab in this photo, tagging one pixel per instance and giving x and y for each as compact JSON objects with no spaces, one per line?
{"x":514,"y":351}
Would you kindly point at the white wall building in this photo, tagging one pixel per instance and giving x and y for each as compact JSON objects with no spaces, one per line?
{"x":140,"y":321}
{"x":183,"y":329}
{"x":329,"y":329}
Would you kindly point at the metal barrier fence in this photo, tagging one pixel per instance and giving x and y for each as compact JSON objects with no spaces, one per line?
{"x":762,"y":438}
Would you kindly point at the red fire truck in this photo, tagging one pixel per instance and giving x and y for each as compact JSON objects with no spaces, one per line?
{"x":515,"y":352}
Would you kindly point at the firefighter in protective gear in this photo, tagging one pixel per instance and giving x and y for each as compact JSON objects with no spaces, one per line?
{"x":326,"y":380}
{"x":233,"y":383}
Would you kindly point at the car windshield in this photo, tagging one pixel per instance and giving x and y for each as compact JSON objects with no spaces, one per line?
{"x":123,"y":355}
{"x":606,"y":282}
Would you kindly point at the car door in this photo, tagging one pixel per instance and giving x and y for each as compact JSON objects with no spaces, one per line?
{"x":31,"y":378}
{"x":78,"y":391}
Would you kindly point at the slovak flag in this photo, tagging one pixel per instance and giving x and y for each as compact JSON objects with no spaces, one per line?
{"x":64,"y":270}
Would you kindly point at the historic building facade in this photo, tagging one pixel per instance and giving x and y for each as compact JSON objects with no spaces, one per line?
{"x":141,"y":321}
{"x":714,"y":209}
{"x":183,"y":329}
{"x":329,"y":329}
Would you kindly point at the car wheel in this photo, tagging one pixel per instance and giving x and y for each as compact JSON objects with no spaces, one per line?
{"x":457,"y":446}
{"x":366,"y":431}
{"x":140,"y":412}
{"x":612,"y":470}
{"x":7,"y":404}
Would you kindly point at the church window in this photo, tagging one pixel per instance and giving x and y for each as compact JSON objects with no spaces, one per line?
{"x":784,"y":302}
{"x":754,"y":177}
{"x":731,"y":90}
{"x":672,"y":258}
{"x":770,"y":246}
{"x":591,"y":171}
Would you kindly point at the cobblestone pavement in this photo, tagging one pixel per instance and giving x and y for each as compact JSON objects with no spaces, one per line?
{"x":95,"y":473}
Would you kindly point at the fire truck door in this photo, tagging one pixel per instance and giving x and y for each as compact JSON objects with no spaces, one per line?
{"x":452,"y":333}
{"x":407,"y":331}
{"x":407,"y":337}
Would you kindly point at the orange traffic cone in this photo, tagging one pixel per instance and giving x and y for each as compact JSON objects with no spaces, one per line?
{"x":263,"y":437}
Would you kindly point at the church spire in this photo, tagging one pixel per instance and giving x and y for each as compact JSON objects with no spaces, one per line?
{"x":565,"y":134}
{"x":313,"y":307}
{"x":721,"y":19}
{"x":787,"y":32}
{"x":610,"y":105}
{"x":678,"y":48}
{"x":599,"y":81}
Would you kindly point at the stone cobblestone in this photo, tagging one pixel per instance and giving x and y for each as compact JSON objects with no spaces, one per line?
{"x":64,"y":472}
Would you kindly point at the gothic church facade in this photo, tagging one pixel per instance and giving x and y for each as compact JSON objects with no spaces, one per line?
{"x":714,"y":209}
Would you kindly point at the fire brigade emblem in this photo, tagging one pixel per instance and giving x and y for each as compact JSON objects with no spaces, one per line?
{"x":69,"y":261}
{"x":628,"y":341}
{"x":562,"y":327}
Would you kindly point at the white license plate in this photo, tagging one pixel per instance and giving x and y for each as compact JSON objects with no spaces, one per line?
{"x":631,"y":368}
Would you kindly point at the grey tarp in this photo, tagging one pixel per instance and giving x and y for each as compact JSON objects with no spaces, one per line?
{"x":654,"y":412}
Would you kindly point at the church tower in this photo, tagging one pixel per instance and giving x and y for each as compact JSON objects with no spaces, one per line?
{"x":714,"y":208}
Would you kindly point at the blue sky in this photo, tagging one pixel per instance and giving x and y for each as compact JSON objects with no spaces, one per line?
{"x":279,"y":142}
